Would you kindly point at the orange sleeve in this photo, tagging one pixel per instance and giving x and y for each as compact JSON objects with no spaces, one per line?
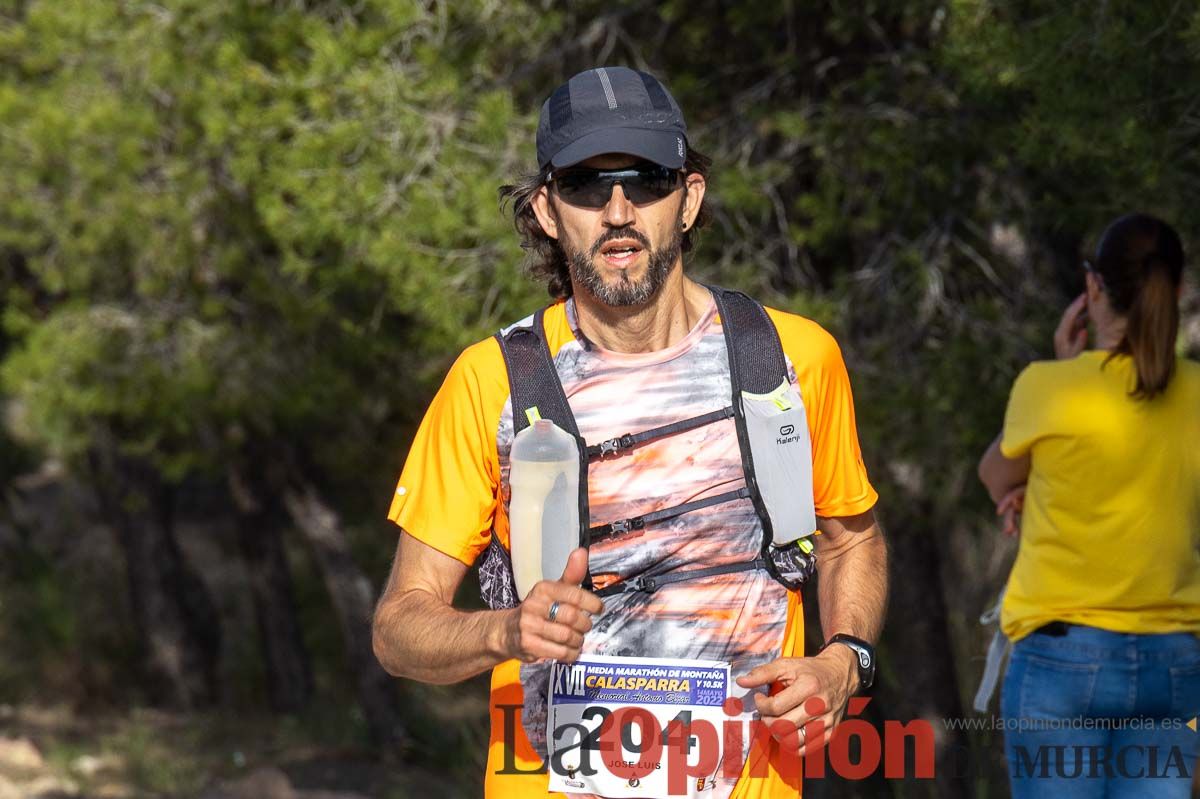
{"x":840,"y":484}
{"x":449,"y":488}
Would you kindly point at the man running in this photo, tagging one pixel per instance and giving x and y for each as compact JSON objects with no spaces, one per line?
{"x":639,"y":346}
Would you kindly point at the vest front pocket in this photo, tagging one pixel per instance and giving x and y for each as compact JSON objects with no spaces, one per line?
{"x":777,"y":429}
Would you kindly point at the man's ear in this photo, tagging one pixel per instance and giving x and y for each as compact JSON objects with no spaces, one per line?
{"x":545,"y":212}
{"x":693,"y":187}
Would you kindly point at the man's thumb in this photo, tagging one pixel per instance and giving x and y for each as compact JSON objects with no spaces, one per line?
{"x":577,"y":566}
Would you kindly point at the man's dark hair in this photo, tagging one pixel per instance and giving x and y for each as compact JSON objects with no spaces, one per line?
{"x":544,"y":258}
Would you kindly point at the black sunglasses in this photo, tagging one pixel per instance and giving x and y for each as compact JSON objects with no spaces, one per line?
{"x":592,"y":188}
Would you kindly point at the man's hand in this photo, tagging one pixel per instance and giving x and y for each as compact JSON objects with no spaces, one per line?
{"x":831,"y":675}
{"x":532,"y":636}
{"x":1071,"y":337}
{"x":1010,"y":507}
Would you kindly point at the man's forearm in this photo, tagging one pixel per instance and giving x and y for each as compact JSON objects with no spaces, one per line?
{"x":418,"y":636}
{"x":853,"y":585}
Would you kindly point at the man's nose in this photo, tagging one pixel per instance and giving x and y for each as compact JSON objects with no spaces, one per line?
{"x":618,"y":212}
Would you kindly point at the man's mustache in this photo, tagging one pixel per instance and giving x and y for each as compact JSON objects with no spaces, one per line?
{"x":619,"y":233}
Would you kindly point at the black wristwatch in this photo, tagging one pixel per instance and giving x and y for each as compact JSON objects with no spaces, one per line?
{"x":865,"y":654}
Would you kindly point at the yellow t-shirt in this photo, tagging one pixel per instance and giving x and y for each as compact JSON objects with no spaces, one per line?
{"x":453,"y":494}
{"x":1110,"y":535}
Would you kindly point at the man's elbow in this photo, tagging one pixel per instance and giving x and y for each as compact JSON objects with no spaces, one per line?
{"x":383,"y":644}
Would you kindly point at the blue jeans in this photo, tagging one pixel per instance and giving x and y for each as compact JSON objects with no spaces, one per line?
{"x":1100,"y":714}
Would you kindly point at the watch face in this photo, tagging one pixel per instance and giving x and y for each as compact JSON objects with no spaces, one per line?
{"x":865,"y":656}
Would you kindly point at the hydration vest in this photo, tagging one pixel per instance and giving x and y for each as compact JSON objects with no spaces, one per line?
{"x":772,"y":433}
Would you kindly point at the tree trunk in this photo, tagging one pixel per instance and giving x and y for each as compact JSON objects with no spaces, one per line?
{"x":178,"y":625}
{"x":917,"y":653}
{"x":353,"y":601}
{"x":833,"y":784}
{"x":922,"y":654}
{"x":261,"y":520}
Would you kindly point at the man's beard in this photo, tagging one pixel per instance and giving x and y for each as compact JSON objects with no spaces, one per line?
{"x":625,"y":292}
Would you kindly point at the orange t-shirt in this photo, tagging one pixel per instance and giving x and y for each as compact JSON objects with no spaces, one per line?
{"x":453,"y":491}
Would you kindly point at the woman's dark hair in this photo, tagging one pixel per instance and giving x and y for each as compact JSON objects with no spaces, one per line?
{"x":544,"y":258}
{"x":1140,"y":260}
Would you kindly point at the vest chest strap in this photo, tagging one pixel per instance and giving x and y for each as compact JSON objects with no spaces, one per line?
{"x":649,"y":585}
{"x":617,"y":445}
{"x":639,"y":522}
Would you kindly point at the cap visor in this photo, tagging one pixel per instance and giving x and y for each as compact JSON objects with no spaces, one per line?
{"x":664,"y":147}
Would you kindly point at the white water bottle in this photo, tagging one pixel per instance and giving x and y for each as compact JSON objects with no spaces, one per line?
{"x":543,"y":511}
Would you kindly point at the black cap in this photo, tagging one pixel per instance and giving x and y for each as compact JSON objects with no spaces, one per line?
{"x":611,"y":110}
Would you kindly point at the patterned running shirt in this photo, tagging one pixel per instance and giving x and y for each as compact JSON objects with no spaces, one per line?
{"x":453,"y":495}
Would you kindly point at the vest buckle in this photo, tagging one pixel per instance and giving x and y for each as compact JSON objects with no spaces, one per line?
{"x":614,"y":446}
{"x":625,"y":525}
{"x":647,"y":585}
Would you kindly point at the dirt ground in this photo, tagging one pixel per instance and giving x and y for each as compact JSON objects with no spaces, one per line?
{"x":51,"y":753}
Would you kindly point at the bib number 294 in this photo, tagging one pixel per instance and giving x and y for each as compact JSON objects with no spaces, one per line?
{"x":634,"y":727}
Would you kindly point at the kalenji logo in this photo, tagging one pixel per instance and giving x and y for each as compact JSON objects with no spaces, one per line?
{"x":607,"y":748}
{"x":787,"y":435}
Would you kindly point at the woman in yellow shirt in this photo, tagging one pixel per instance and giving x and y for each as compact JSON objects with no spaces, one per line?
{"x":1101,"y":452}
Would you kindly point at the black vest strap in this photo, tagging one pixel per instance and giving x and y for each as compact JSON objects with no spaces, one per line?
{"x":533,"y":383}
{"x":615,"y":446}
{"x":639,"y":522}
{"x":651,"y":584}
{"x":756,"y":365}
{"x":532,"y":379}
{"x":756,"y":360}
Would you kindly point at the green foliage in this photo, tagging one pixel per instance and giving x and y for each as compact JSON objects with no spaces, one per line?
{"x":1090,"y":102}
{"x":254,"y":221}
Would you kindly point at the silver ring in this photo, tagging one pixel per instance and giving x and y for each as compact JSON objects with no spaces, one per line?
{"x":553,"y":614}
{"x":803,"y":736}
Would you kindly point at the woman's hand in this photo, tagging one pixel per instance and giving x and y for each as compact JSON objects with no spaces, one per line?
{"x":1010,"y":507}
{"x":1071,"y":337}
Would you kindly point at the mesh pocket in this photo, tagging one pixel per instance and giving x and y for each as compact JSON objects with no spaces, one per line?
{"x":496,"y":584}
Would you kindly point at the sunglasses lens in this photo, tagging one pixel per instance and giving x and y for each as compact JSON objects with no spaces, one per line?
{"x":651,"y":184}
{"x":586,"y":188}
{"x":592,"y":188}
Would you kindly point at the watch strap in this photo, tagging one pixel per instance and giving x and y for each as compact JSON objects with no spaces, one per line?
{"x":864,"y":655}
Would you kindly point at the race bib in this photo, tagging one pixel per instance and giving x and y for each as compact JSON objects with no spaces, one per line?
{"x":635,"y":727}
